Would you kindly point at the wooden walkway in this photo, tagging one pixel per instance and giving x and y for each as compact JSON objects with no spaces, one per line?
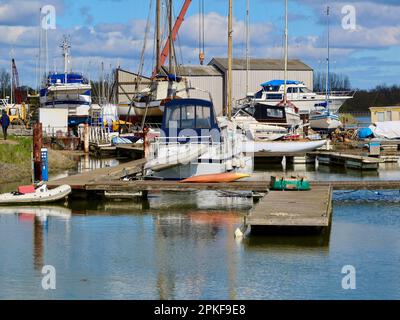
{"x":293,"y":209}
{"x":106,"y":175}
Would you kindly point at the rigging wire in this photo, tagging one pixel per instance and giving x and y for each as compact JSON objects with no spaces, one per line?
{"x":146,"y":34}
{"x":201,"y":31}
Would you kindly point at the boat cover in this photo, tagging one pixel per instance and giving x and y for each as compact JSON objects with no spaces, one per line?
{"x":26,"y":189}
{"x":386,"y":130}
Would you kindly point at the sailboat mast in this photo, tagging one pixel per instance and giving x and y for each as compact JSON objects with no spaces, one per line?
{"x":171,"y":43}
{"x":247,"y":44}
{"x":158,"y":34}
{"x":102,"y":91}
{"x":328,"y":58}
{"x":230,"y":31}
{"x":286,"y":51}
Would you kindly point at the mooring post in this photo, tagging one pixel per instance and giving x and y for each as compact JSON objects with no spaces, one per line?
{"x":37,"y":151}
{"x":86,"y":138}
{"x":145,"y":142}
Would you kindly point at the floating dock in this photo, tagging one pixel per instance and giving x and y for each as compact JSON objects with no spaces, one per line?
{"x":348,"y":160}
{"x":299,"y":209}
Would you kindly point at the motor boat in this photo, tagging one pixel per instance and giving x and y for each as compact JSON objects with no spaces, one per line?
{"x":195,"y":142}
{"x":272,"y":92}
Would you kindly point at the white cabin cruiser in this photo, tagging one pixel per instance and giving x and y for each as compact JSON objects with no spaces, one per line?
{"x":194,"y":142}
{"x":67,"y":90}
{"x":297,"y":92}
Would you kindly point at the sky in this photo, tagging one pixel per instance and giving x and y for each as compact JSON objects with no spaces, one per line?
{"x":364,"y":45}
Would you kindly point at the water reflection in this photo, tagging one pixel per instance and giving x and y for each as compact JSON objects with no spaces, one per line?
{"x":199,"y":239}
{"x":38,"y":217}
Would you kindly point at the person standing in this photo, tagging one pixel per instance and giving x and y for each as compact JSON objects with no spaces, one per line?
{"x":5,"y":123}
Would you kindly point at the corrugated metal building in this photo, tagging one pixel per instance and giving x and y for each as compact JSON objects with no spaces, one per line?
{"x":126,"y":85}
{"x":212,"y":78}
{"x":260,"y":70}
{"x":206,"y":78}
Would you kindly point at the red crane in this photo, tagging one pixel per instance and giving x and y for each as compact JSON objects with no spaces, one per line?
{"x":178,"y":23}
{"x":15,"y":83}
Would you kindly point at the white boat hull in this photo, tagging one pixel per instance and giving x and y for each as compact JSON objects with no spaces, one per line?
{"x":325,"y":122}
{"x":38,"y":196}
{"x":284,"y":146}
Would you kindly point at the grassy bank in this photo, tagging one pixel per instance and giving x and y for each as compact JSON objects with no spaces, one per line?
{"x":15,"y":160}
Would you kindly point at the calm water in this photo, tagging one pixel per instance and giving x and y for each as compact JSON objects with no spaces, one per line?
{"x":182,"y":246}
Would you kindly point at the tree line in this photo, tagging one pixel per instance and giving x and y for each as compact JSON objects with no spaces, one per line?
{"x":338,"y":82}
{"x":380,"y":96}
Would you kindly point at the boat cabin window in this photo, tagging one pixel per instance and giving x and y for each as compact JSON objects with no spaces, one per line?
{"x":305,"y":90}
{"x":274,"y":113}
{"x":265,"y":113}
{"x":292,"y":90}
{"x":189,"y":117}
{"x":270,"y":88}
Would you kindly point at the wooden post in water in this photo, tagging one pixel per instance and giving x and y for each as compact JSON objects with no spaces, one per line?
{"x":145,"y":143}
{"x":86,"y":138}
{"x":37,"y":146}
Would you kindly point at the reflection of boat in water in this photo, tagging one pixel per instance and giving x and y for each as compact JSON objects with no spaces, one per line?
{"x":38,"y":211}
{"x":215,"y":217}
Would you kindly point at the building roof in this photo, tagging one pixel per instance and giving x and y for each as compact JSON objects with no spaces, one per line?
{"x":195,"y":70}
{"x":260,"y":64}
{"x":386,"y":107}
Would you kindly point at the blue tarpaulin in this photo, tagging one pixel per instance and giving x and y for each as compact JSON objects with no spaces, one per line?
{"x":275,"y":83}
{"x":365,"y":133}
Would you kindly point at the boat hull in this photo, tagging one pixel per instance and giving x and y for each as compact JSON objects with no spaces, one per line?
{"x":325,"y":123}
{"x":216,"y":178}
{"x":284,"y":146}
{"x":52,"y":195}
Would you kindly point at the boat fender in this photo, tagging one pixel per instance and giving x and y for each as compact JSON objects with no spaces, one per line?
{"x":238,"y":234}
{"x":229,"y":165}
{"x":242,"y":163}
{"x":234,"y":162}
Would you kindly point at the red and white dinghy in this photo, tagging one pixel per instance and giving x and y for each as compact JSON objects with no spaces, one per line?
{"x":28,"y":194}
{"x":216,"y":178}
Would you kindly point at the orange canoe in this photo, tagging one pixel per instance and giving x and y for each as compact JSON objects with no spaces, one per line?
{"x":216,"y":178}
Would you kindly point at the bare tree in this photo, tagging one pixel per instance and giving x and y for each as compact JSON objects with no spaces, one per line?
{"x":4,"y":83}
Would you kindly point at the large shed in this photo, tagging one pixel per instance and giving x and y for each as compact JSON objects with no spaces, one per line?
{"x":260,"y":71}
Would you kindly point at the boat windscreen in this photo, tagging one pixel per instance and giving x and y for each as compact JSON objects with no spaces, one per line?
{"x":188,"y":117}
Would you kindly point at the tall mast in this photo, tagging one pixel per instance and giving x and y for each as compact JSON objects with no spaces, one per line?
{"x":11,"y":78}
{"x":328,"y":60}
{"x":286,"y":52}
{"x":102,"y":92}
{"x":247,"y":44}
{"x":65,"y":46}
{"x":158,"y":34}
{"x":230,"y":31}
{"x":171,"y":41}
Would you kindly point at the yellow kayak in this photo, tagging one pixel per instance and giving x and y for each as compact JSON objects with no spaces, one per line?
{"x":216,"y":178}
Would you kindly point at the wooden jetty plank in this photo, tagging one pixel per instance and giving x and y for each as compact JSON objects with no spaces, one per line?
{"x":293,"y":208}
{"x":146,"y":185}
{"x":80,"y":181}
